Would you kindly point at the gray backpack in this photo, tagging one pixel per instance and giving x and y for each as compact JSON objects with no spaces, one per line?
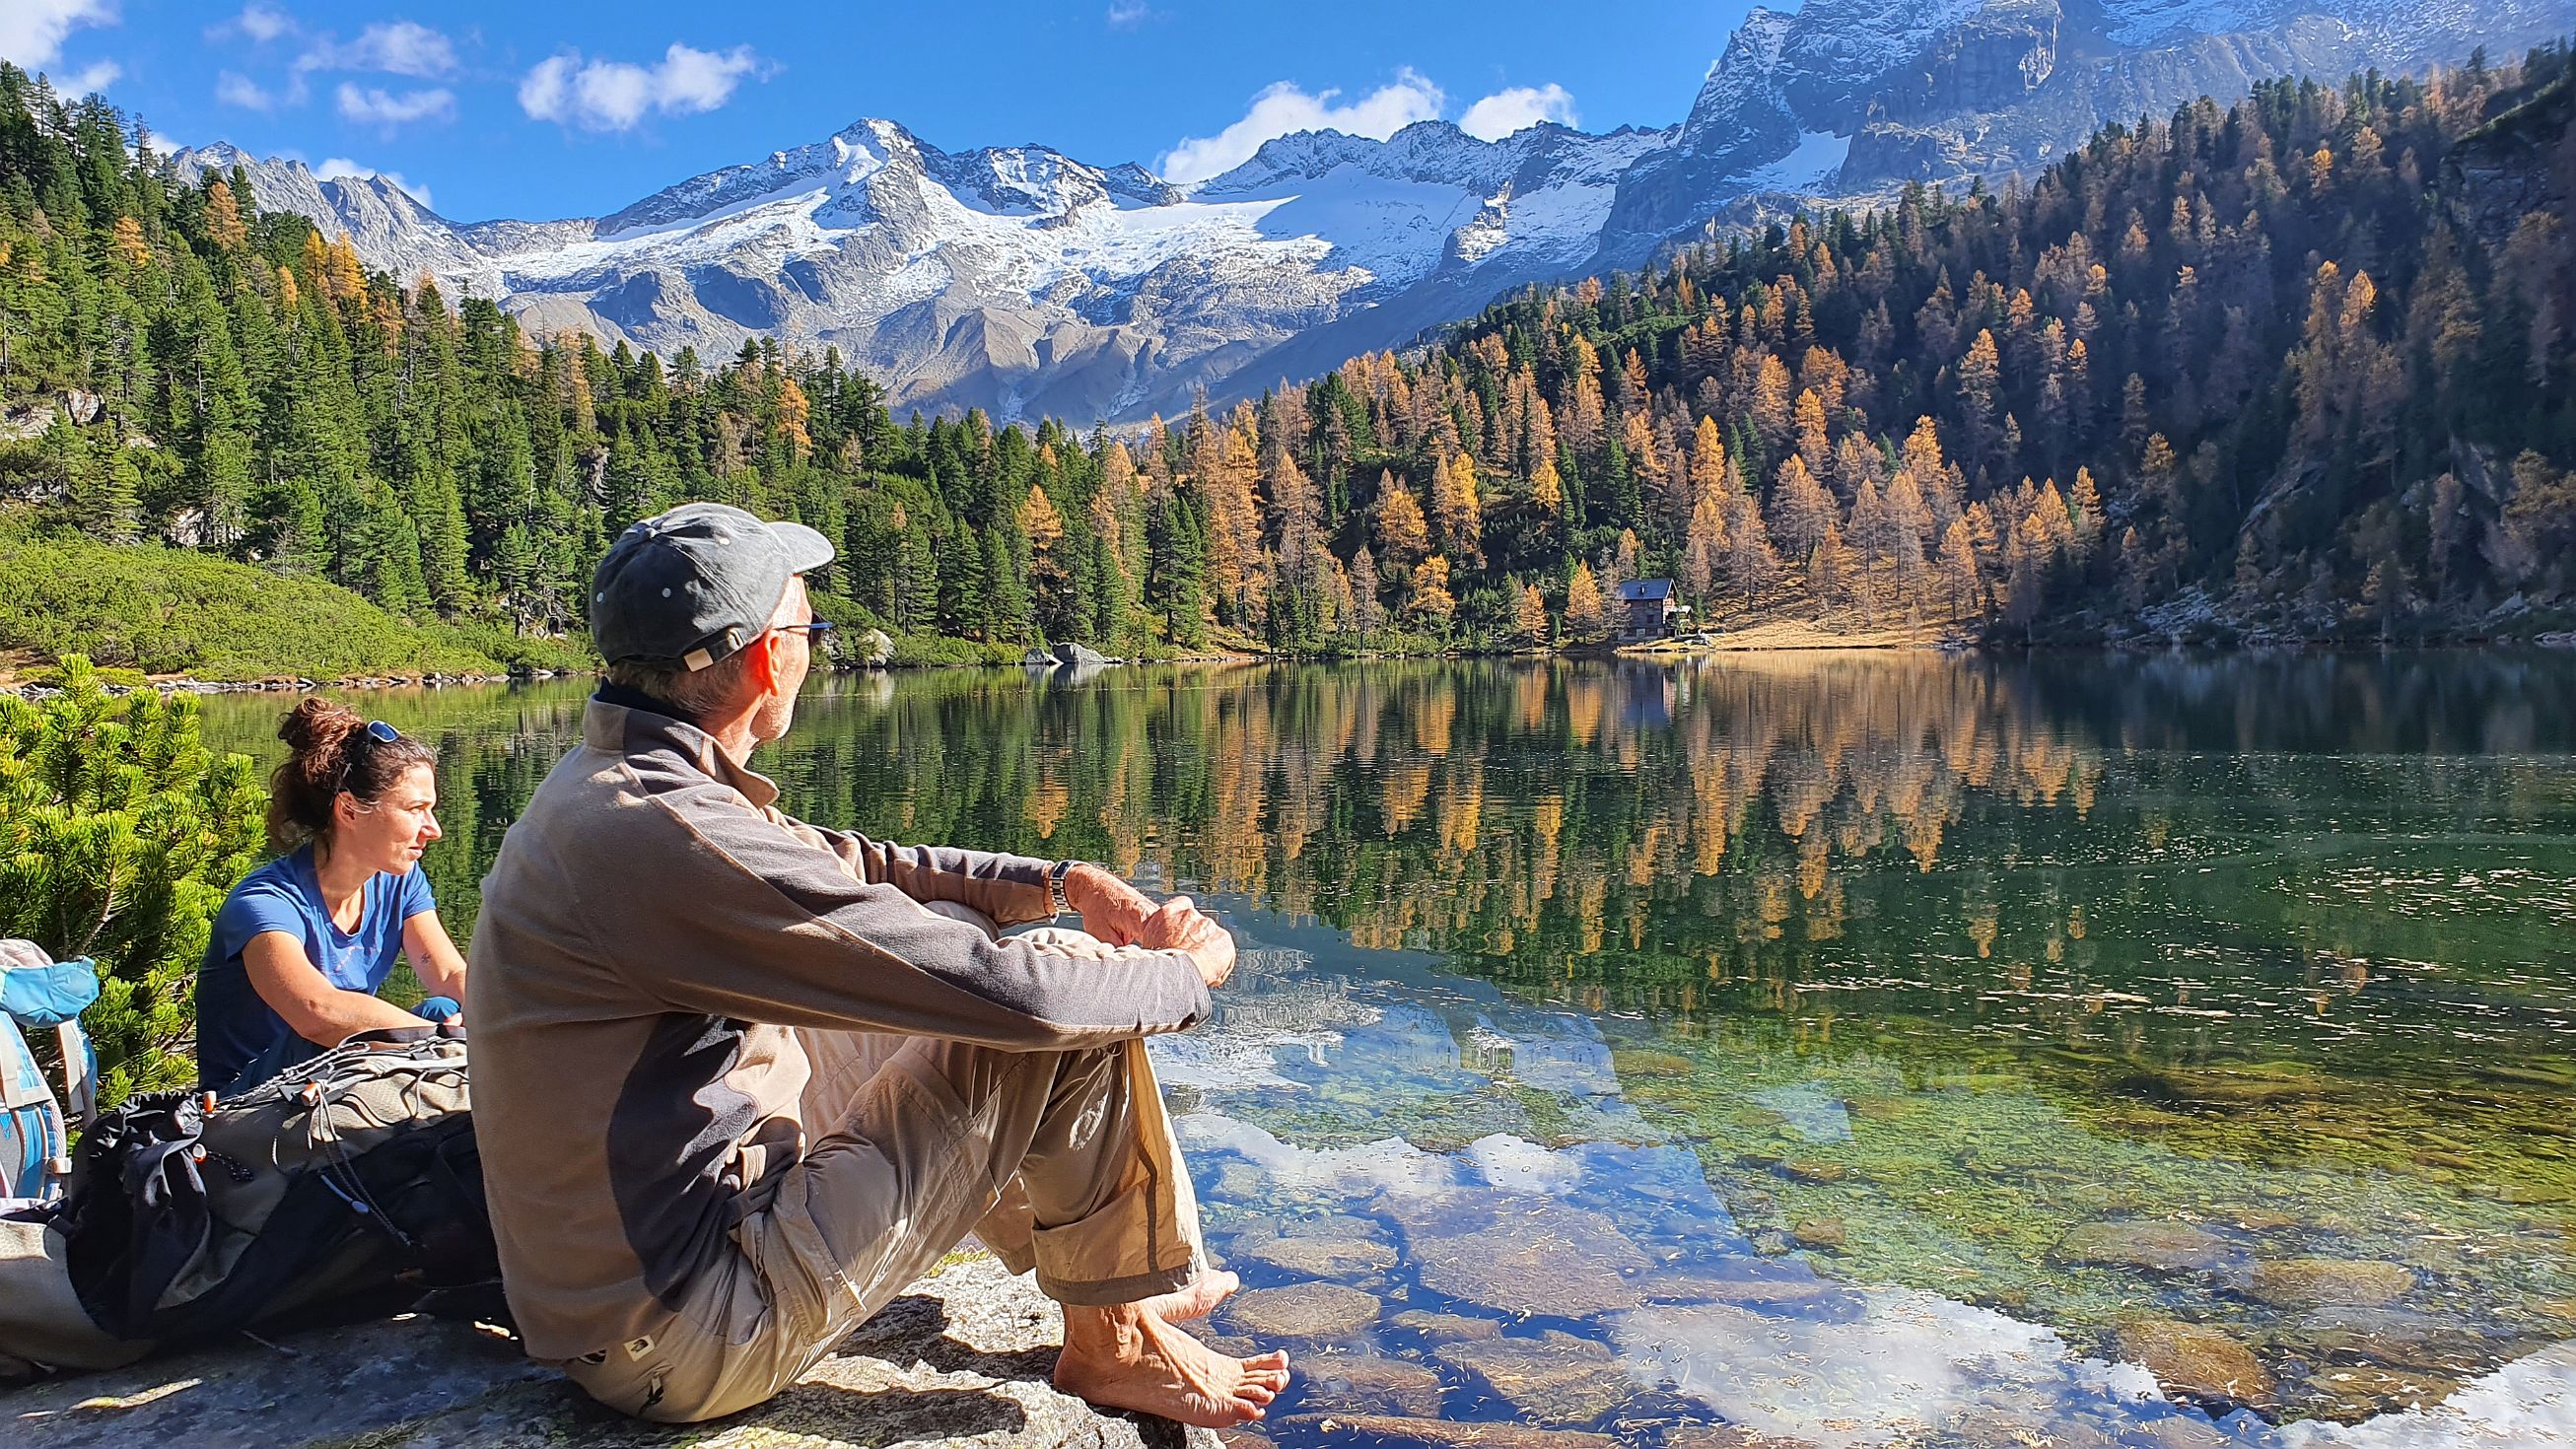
{"x":348,"y":1187}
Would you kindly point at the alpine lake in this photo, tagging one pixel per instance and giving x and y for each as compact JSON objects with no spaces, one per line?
{"x":1806,"y":1049}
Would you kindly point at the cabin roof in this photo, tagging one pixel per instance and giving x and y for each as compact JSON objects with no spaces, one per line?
{"x":1646,"y":591}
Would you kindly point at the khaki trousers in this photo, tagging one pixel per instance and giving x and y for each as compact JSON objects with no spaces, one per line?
{"x":1059,"y":1161}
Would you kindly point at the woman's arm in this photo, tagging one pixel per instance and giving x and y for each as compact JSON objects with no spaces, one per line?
{"x":434,"y":958}
{"x":314,"y":1009}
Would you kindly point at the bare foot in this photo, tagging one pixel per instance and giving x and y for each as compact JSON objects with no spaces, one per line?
{"x":1198,"y":1300}
{"x":1128,"y":1357}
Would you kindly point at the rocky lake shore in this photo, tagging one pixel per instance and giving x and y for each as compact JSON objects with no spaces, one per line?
{"x":962,"y":1359}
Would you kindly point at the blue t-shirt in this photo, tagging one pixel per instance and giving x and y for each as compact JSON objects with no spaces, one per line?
{"x":235,"y":1029}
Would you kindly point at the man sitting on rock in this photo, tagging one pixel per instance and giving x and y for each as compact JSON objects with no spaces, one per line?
{"x":739,"y":1079}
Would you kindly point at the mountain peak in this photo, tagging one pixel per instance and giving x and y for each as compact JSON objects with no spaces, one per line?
{"x":1025,"y":281}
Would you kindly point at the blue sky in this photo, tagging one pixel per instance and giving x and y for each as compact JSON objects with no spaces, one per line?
{"x":567,"y":109}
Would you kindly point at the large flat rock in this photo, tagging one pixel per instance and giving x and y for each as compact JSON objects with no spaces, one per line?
{"x":962,"y":1359}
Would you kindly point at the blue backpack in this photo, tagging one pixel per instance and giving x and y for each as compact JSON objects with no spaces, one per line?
{"x":38,"y":993}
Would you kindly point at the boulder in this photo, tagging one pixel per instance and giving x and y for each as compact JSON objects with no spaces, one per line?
{"x":960,"y":1359}
{"x":2198,"y":1362}
{"x":2349,"y":1393}
{"x":1080,"y":656}
{"x":2158,"y":1247}
{"x":1447,"y":1327}
{"x":1388,"y":1431}
{"x":1367,"y":1384}
{"x":1535,"y":1257}
{"x":1555,"y":1378}
{"x":2337,"y":1282}
{"x":1824,"y":1233}
{"x":1808,"y":1294}
{"x":1302,"y":1310}
{"x":872,"y":648}
{"x":1319,"y":1257}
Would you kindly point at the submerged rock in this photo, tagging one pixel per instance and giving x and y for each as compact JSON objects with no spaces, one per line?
{"x":1824,"y":1233}
{"x":960,"y":1359}
{"x":1318,"y":1257}
{"x":1392,"y":1432}
{"x":1446,"y":1327}
{"x":1366,"y":1384}
{"x":1782,"y":1292}
{"x":1553,"y":1379}
{"x":1303,"y":1310}
{"x":1728,"y":1436}
{"x":2158,"y":1247}
{"x":2198,"y":1362}
{"x":2341,"y":1282}
{"x":2349,"y":1393}
{"x":1535,"y":1258}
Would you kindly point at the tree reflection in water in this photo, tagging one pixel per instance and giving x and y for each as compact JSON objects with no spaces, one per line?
{"x":1853,"y":1047}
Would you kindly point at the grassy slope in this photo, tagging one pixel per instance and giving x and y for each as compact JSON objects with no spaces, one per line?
{"x":170,"y":611}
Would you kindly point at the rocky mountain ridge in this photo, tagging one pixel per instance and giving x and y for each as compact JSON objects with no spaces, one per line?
{"x":1026,"y":282}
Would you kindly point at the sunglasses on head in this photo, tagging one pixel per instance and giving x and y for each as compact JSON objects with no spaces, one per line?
{"x":378,"y":733}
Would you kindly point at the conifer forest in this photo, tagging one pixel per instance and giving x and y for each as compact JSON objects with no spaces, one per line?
{"x":2293,"y":369}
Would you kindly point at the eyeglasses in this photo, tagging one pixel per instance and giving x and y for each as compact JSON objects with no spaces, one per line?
{"x":378,"y":733}
{"x":813,"y":631}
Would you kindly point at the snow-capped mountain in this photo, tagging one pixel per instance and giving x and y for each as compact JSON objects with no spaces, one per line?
{"x":1028,"y":283}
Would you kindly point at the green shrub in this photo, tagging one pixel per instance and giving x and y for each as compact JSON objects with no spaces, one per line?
{"x":119,"y":835}
{"x":175,"y":611}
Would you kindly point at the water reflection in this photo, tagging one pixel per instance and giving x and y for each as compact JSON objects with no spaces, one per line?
{"x":1859,"y":1050}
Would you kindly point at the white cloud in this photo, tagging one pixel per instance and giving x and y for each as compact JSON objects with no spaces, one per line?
{"x":1284,"y":109}
{"x":88,"y":79}
{"x":261,"y":22}
{"x":264,"y":22}
{"x":1517,"y":109}
{"x":32,"y":31}
{"x":235,"y":89}
{"x":340,"y":168}
{"x":400,"y":47}
{"x":376,"y":107}
{"x":1128,"y":14}
{"x":614,"y":95}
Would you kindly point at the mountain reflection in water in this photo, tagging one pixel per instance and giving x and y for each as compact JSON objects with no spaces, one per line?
{"x":1855,"y":1050}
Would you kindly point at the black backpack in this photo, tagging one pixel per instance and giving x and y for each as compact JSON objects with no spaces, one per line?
{"x":350,"y":1186}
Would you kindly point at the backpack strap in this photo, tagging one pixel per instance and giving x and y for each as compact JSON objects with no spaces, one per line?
{"x":80,"y":1084}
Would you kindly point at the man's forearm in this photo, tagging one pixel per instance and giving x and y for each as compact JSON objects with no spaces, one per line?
{"x":1010,"y":889}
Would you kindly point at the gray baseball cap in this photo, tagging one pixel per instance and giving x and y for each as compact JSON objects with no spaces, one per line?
{"x":693,"y":585}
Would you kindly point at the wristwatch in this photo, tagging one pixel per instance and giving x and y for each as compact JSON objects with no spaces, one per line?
{"x":1056,"y":903}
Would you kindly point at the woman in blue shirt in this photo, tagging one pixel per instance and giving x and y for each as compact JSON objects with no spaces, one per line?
{"x":303,"y":944}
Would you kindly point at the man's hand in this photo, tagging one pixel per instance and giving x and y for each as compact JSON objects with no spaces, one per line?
{"x":1121,"y":915}
{"x":1110,"y":908}
{"x":1179,"y":925}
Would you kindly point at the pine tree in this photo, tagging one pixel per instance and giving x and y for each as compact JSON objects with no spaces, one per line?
{"x":1587,"y":618}
{"x":119,"y":836}
{"x":1529,"y":614}
{"x":1403,"y":536}
{"x":1368,"y":613}
{"x":1428,"y":603}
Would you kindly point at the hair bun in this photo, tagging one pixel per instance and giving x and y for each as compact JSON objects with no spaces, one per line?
{"x":319,"y":727}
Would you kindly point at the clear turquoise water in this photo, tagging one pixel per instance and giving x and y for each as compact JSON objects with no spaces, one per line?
{"x":1857,"y":1049}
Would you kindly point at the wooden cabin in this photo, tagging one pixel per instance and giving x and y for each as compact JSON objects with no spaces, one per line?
{"x":1647,"y":610}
